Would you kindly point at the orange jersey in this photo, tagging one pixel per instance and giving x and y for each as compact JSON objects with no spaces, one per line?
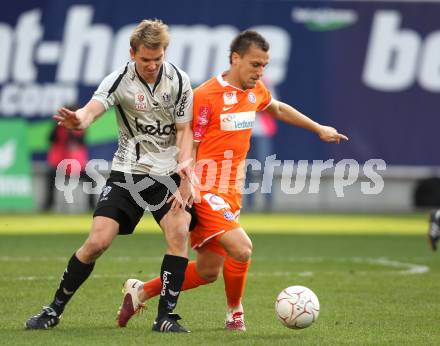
{"x":223,"y":118}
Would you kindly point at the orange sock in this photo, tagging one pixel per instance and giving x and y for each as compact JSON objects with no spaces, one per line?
{"x":192,"y":280}
{"x":234,"y":274}
{"x":152,"y":288}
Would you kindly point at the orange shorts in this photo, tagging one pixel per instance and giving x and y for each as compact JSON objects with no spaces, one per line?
{"x":216,"y":214}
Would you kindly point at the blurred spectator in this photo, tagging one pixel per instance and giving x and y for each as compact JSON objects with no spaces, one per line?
{"x":427,"y":193}
{"x":65,"y":144}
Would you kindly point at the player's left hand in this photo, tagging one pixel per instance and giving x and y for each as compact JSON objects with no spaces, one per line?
{"x":330,"y":134}
{"x":183,"y":197}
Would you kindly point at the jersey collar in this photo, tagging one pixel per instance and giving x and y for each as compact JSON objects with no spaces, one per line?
{"x":159,"y":77}
{"x":224,"y":83}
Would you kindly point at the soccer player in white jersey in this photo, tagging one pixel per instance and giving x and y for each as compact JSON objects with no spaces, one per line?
{"x":153,"y":101}
{"x":434,"y":228}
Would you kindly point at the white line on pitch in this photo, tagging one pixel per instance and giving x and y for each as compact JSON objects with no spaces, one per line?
{"x":408,"y":268}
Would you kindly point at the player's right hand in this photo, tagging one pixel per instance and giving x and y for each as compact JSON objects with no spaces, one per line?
{"x":330,"y":134}
{"x":68,"y":119}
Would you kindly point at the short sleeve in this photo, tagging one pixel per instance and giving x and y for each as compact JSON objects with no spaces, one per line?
{"x":106,"y":90}
{"x":202,"y":113}
{"x":184,"y":106}
{"x":265,"y":97}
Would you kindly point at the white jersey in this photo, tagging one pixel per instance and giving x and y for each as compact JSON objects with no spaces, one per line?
{"x":146,"y":117}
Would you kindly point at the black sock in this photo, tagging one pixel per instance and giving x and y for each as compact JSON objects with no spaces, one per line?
{"x":74,"y":276}
{"x":172,"y":274}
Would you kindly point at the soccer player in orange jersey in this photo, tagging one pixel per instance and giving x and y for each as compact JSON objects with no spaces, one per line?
{"x":224,"y":113}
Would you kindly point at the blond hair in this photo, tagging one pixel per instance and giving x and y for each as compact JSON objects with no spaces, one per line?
{"x":152,"y":33}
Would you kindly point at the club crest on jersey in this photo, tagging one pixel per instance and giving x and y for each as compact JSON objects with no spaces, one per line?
{"x":166,"y":97}
{"x":230,"y":97}
{"x":216,"y":202}
{"x":228,"y":215}
{"x":140,"y":102}
{"x":251,"y":97}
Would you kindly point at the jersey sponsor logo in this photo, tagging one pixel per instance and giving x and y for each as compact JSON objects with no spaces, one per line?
{"x":183,"y":102}
{"x":203,"y":115}
{"x":202,"y":122}
{"x":157,"y":129}
{"x":237,"y":121}
{"x":228,"y":215}
{"x":230,"y":97}
{"x":251,"y":97}
{"x":140,"y":102}
{"x":227,"y":108}
{"x":216,"y":202}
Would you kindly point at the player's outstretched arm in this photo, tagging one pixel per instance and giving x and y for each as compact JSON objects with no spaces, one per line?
{"x":81,"y":118}
{"x":288,"y":114}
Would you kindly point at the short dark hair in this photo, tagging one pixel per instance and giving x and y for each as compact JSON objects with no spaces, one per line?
{"x":244,"y":40}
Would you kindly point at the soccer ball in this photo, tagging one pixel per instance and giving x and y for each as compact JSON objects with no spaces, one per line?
{"x":297,"y":307}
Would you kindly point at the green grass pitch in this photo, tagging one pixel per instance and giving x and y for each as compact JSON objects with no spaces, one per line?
{"x":377,"y":281}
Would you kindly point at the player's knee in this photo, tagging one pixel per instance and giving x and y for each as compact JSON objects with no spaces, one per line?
{"x":179,"y":236}
{"x":97,"y":246}
{"x":210,"y":275}
{"x":244,"y":253}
